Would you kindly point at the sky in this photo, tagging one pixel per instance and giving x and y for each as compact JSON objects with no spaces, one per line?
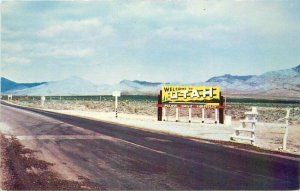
{"x":159,"y":41}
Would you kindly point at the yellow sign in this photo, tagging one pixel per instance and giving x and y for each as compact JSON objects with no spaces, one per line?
{"x":191,"y":94}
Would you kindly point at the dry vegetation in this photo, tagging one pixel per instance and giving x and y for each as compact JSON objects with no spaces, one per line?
{"x":267,"y":112}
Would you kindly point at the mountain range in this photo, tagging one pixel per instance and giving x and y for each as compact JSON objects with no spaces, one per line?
{"x":7,"y":85}
{"x":273,"y":84}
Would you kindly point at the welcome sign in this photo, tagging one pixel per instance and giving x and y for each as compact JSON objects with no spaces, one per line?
{"x":191,"y":94}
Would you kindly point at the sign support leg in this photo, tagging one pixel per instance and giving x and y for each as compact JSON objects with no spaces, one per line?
{"x":159,"y":109}
{"x":203,"y":114}
{"x":216,"y":116}
{"x":164,"y":113}
{"x":222,"y":110}
{"x":190,"y":114}
{"x":177,"y":114}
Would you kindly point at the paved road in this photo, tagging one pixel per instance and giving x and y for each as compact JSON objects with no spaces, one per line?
{"x":119,"y":157}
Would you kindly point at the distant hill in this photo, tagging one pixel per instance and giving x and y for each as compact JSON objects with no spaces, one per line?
{"x":229,"y":78}
{"x":7,"y":85}
{"x":297,"y":68}
{"x":138,"y":87}
{"x":70,"y":86}
{"x":280,"y":83}
{"x":145,"y":83}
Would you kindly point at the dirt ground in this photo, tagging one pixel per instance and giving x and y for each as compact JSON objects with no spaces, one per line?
{"x":23,"y":170}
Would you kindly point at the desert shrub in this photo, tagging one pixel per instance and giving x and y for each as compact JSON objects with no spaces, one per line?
{"x":136,"y":110}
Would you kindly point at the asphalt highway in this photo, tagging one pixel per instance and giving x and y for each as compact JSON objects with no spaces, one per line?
{"x":120,"y":157}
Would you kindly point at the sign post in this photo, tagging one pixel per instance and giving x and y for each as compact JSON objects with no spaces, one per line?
{"x":159,"y":109}
{"x":43,"y":98}
{"x":116,"y":94}
{"x":9,"y":97}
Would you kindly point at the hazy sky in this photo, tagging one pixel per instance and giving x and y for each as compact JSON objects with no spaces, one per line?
{"x":108,"y":41}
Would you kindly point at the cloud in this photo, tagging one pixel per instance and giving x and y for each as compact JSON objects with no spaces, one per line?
{"x":263,"y":18}
{"x":82,"y":27}
{"x":144,"y":9}
{"x":8,"y":7}
{"x":11,"y":47}
{"x":43,"y":49}
{"x":13,"y":60}
{"x":12,"y":34}
{"x":62,"y":52}
{"x":149,"y":35}
{"x":195,"y":32}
